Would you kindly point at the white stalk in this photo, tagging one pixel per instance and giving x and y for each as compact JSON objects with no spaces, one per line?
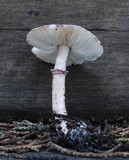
{"x":58,"y":85}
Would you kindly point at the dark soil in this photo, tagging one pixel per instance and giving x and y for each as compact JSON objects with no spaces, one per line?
{"x":86,"y":139}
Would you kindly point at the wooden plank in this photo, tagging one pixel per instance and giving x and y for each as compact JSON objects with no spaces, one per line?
{"x":92,"y":14}
{"x":96,"y":88}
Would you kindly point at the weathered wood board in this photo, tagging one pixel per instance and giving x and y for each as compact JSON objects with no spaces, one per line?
{"x":99,"y":88}
{"x":92,"y":14}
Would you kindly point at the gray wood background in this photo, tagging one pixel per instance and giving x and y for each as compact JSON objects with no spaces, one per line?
{"x":99,"y":88}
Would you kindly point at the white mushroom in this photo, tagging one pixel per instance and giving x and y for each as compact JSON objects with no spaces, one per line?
{"x":63,"y":45}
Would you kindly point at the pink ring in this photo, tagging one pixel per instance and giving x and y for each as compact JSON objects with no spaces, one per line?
{"x":58,"y":71}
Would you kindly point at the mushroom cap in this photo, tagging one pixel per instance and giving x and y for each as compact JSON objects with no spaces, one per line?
{"x":82,"y":43}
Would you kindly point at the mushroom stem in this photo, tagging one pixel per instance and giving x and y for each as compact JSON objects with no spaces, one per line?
{"x":58,"y":84}
{"x":58,"y":89}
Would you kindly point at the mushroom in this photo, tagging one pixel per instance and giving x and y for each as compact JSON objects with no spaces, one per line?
{"x":63,"y":45}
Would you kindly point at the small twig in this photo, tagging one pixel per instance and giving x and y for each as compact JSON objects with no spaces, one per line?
{"x":125,"y":133}
{"x":118,"y":130}
{"x":7,"y":141}
{"x":114,"y":148}
{"x":18,"y":133}
{"x":21,"y":148}
{"x":7,"y":125}
{"x":66,"y":117}
{"x":53,"y":146}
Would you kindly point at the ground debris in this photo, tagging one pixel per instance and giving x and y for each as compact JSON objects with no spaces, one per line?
{"x":85,"y":139}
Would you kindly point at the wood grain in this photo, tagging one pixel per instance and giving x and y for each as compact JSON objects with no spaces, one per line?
{"x":92,"y":14}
